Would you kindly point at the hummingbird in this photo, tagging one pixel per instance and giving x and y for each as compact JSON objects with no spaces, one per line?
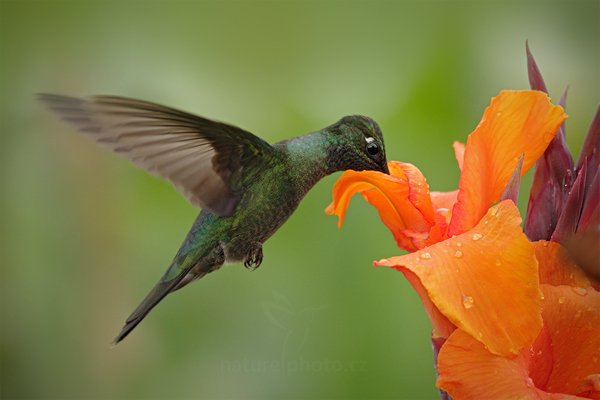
{"x":246,"y":187}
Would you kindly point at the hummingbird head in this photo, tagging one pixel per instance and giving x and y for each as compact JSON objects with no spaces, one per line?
{"x":358,"y":145}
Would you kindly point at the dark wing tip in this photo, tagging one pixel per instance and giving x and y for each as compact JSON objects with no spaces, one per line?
{"x":46,"y":96}
{"x":62,"y":105}
{"x":58,"y":99}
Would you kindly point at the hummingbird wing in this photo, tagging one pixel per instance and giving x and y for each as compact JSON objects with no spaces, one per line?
{"x":205,"y":160}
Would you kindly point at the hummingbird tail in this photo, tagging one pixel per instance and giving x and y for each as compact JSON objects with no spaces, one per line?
{"x":184,"y":273}
{"x":158,"y":292}
{"x":200,"y":254}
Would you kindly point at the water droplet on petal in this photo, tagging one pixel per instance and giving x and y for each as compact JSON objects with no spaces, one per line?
{"x":578,"y":314}
{"x":480,"y":335}
{"x":529,"y":382}
{"x":580,"y":291}
{"x":383,"y":260}
{"x":458,"y":244}
{"x":542,"y":296}
{"x":477,"y":236}
{"x":458,"y":254}
{"x":426,"y":256}
{"x":498,"y":263}
{"x":545,"y":244}
{"x":494,"y":210}
{"x":467,"y":301}
{"x":561,"y":299}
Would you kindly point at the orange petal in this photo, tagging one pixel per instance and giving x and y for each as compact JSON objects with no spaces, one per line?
{"x":515,"y":123}
{"x":401,"y":198}
{"x":459,"y":153}
{"x":562,"y":363}
{"x":441,"y":326}
{"x":419,"y":197}
{"x":468,"y":371}
{"x":418,"y":189}
{"x":572,"y":317}
{"x":484,"y":281}
{"x":443,"y":202}
{"x":352,"y":182}
{"x":556,"y":267}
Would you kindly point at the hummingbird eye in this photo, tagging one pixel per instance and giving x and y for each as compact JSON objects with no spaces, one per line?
{"x":372,"y":148}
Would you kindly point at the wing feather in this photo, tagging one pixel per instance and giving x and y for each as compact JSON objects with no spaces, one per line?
{"x":199,"y":156}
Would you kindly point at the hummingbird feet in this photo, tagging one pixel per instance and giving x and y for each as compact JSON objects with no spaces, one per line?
{"x":254,"y":258}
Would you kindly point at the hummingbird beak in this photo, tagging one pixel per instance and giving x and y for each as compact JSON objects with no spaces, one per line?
{"x":385,"y":168}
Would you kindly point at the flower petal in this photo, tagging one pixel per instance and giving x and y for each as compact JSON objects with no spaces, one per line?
{"x":552,"y":181}
{"x":566,"y":226}
{"x":584,"y":250}
{"x":511,"y":192}
{"x":515,"y":123}
{"x":591,"y":145}
{"x":418,"y":189}
{"x":563,"y":362}
{"x":352,"y":182}
{"x":402,"y":199}
{"x":556,"y":267}
{"x":436,"y":344}
{"x":468,"y":371}
{"x":443,"y":203}
{"x":459,"y":153}
{"x":554,"y":173}
{"x":591,"y":204}
{"x":484,"y":281}
{"x":536,"y":81}
{"x":572,"y":317}
{"x":441,"y":326}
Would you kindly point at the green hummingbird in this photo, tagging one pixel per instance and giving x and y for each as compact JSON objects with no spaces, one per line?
{"x":246,"y":187}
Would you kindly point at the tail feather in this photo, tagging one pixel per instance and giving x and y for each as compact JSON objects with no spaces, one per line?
{"x":160,"y":290}
{"x":199,"y":254}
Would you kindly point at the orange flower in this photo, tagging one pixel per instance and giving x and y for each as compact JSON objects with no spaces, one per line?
{"x":473,"y":266}
{"x":511,"y":318}
{"x":564,"y":360}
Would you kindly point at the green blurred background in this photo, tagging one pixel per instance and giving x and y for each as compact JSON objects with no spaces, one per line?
{"x":84,"y":235}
